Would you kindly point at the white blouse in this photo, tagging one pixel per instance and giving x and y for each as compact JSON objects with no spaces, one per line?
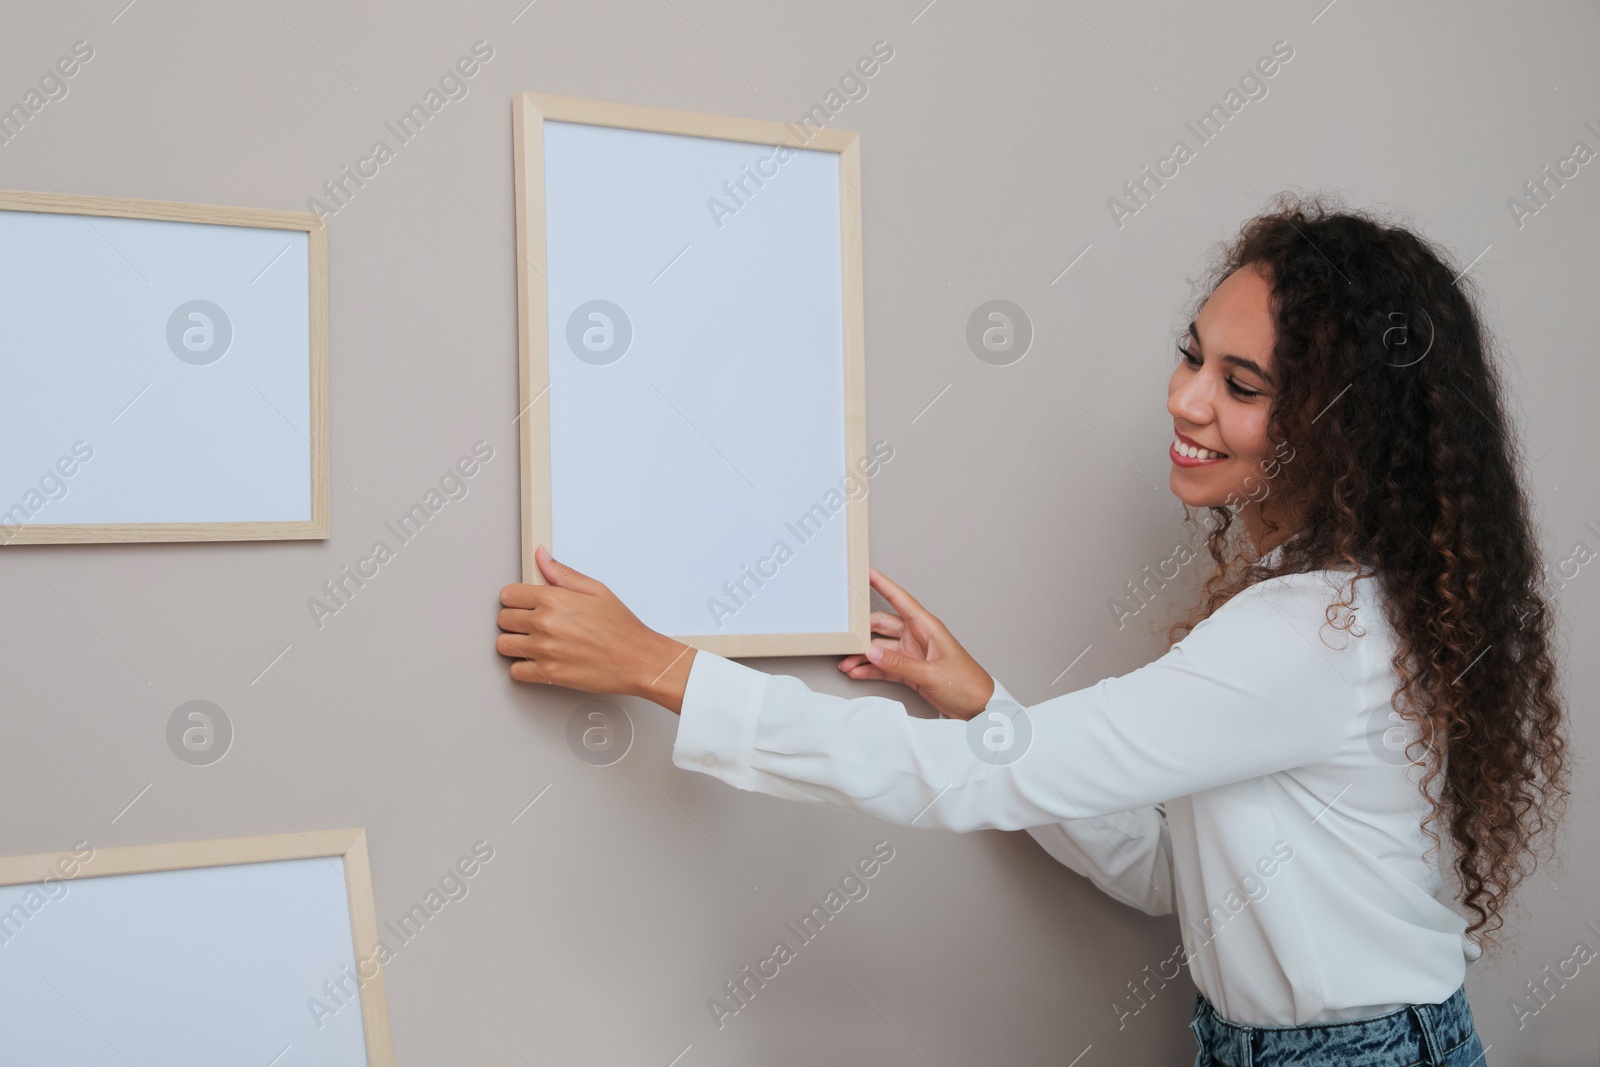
{"x":1252,"y":777}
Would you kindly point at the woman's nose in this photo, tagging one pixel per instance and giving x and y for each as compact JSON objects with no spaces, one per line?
{"x":1192,"y":400}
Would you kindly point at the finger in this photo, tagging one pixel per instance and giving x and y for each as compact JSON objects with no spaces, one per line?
{"x":902,"y":601}
{"x":882,"y":623}
{"x":868,"y":672}
{"x":911,"y":670}
{"x":885,"y":623}
{"x":516,"y":620}
{"x":524,"y":595}
{"x":525,"y":670}
{"x":858,"y":659}
{"x":514,"y":645}
{"x":562,"y":576}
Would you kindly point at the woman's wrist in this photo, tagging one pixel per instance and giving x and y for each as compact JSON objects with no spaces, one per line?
{"x":989,"y":687}
{"x":664,"y":673}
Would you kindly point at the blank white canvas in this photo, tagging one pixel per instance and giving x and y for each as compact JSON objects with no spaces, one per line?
{"x":84,"y":357}
{"x":688,"y":459}
{"x":189,"y":968}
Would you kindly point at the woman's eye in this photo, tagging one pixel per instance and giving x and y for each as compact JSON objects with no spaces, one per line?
{"x":1234,"y":388}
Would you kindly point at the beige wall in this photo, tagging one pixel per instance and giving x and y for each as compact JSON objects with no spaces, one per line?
{"x":991,"y":143}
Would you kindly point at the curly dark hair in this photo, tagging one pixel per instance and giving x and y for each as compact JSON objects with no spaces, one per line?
{"x":1401,"y":465}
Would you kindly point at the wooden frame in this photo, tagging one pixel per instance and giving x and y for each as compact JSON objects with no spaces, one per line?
{"x":319,"y":525}
{"x":351,"y":845}
{"x":529,"y":112}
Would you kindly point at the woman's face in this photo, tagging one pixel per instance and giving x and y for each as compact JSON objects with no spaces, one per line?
{"x":1220,"y":394}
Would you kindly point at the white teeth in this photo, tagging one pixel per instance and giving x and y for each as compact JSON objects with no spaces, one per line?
{"x":1195,"y":453}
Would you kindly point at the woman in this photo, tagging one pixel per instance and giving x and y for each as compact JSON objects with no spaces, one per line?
{"x":1277,"y":776}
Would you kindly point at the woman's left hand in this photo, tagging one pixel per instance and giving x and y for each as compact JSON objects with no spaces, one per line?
{"x":574,"y":632}
{"x":919,"y":651}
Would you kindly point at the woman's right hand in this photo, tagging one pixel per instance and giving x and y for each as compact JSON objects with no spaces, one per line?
{"x":917,"y":651}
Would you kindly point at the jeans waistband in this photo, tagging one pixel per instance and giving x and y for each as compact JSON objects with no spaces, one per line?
{"x":1415,"y":1034}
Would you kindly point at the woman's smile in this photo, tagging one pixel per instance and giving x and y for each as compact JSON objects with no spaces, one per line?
{"x":1186,"y":453}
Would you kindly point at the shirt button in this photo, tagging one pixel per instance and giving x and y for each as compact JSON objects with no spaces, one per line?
{"x":709,"y":760}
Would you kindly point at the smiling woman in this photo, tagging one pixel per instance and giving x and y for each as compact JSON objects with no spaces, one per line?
{"x":1220,"y":394}
{"x":1311,"y":696}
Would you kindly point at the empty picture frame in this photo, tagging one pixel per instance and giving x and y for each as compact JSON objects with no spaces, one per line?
{"x":163,"y":371}
{"x":194,"y":954}
{"x":693,"y":386}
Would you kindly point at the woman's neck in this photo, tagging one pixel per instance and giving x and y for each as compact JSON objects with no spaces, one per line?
{"x":1264,"y":540}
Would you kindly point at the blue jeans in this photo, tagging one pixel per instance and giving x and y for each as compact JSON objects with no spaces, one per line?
{"x":1418,"y":1035}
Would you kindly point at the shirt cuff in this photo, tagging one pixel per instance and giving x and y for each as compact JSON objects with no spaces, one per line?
{"x":1001,"y":693}
{"x":717,"y":723}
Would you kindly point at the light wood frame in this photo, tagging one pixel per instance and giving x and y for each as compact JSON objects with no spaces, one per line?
{"x":529,"y":112}
{"x":319,"y":525}
{"x":350,"y":844}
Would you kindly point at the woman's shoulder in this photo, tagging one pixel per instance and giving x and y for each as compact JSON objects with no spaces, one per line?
{"x":1298,"y":585}
{"x":1336,"y":604}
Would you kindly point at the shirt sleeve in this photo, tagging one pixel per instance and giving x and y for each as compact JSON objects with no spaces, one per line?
{"x":1127,"y":855}
{"x":1251,"y":690}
